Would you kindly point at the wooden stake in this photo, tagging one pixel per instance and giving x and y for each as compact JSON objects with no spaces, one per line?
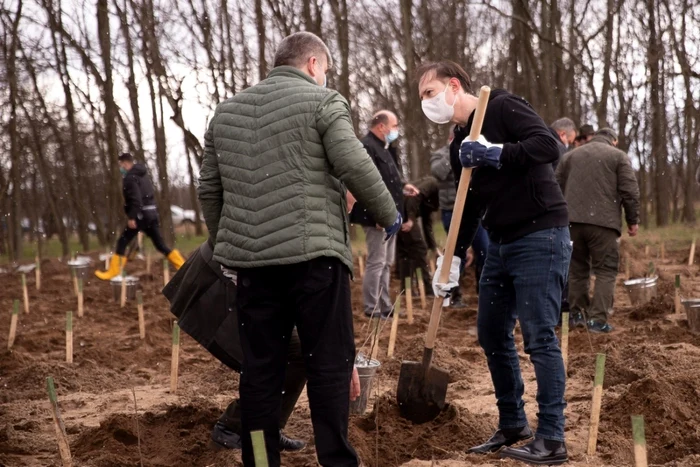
{"x":122,"y":301}
{"x":106,"y":259}
{"x":595,"y":408}
{"x":677,"y":298}
{"x":80,"y":298}
{"x":174,"y":362}
{"x":142,"y":322}
{"x":148,"y":261}
{"x":394,"y":327}
{"x":61,"y":437}
{"x":409,"y":301}
{"x":139,"y":241}
{"x":361,"y":261}
{"x":25,"y":293}
{"x":75,"y":280}
{"x":37,"y":272}
{"x":259,"y":449}
{"x":13,"y":324}
{"x":640,"y":442}
{"x":421,"y":288}
{"x":375,"y":339}
{"x":69,"y":337}
{"x":663,"y":251}
{"x":627,"y":266}
{"x":166,"y":272}
{"x":691,"y":258}
{"x":565,"y":339}
{"x":646,"y":250}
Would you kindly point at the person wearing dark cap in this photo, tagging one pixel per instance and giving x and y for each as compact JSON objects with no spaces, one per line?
{"x":598,"y":181}
{"x":585,"y":134}
{"x":142,"y":214}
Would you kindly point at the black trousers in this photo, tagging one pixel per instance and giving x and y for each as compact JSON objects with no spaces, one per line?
{"x":411,"y":254}
{"x":294,"y":382}
{"x":148,"y":224}
{"x":314,"y":296}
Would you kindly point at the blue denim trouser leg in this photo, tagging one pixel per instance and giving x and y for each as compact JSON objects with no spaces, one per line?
{"x":524,"y":280}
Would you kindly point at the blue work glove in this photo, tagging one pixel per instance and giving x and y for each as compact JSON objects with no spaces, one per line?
{"x":394,"y":228}
{"x":480,"y":153}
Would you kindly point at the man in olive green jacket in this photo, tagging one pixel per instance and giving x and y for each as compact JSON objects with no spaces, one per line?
{"x":278,"y":157}
{"x":597,"y":180}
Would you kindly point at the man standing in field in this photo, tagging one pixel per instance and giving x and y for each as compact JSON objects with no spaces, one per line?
{"x":278,"y":157}
{"x":142,"y":214}
{"x":514,"y":190}
{"x":383,"y":130}
{"x":598,"y":181}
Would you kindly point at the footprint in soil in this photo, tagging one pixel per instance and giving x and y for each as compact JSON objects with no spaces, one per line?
{"x":125,"y":437}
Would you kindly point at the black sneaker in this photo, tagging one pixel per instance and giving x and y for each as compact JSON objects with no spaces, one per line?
{"x":539,"y":452}
{"x":576,"y":320}
{"x":502,"y":438}
{"x":599,"y":328}
{"x":223,"y":437}
{"x":289,"y":444}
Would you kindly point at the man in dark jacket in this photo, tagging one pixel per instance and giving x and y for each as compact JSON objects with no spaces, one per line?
{"x":598,"y":182}
{"x":524,"y":212}
{"x":384,"y":129}
{"x":204,"y":301}
{"x":416,"y":237}
{"x":142,"y":214}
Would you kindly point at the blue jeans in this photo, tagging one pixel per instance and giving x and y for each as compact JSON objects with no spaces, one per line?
{"x":524,"y":280}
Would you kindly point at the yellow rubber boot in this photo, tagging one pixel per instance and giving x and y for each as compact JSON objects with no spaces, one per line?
{"x":176,"y":259}
{"x":116,"y":263}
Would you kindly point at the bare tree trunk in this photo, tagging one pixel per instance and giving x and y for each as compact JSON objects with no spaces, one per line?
{"x":110,"y":115}
{"x":10,"y":56}
{"x":260,"y":23}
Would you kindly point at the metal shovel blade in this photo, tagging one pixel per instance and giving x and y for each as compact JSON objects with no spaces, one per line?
{"x":421,"y":396}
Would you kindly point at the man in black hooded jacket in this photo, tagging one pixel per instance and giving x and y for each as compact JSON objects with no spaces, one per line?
{"x":141,"y":211}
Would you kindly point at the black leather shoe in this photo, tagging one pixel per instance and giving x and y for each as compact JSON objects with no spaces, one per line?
{"x":539,"y":452}
{"x":289,"y":444}
{"x":223,"y":437}
{"x":501,"y":438}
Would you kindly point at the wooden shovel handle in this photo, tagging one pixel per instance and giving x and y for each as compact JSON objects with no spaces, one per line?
{"x":452,"y":235}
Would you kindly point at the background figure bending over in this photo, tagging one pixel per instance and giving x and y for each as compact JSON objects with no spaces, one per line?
{"x":416,"y":237}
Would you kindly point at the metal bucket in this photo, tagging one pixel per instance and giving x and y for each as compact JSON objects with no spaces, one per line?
{"x":692,"y":311}
{"x":80,"y":268}
{"x":367,"y":370}
{"x":132,"y":284}
{"x":642,"y":290}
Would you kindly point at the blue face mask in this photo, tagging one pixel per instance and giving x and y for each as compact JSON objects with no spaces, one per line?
{"x":392,"y":136}
{"x":122,"y":171}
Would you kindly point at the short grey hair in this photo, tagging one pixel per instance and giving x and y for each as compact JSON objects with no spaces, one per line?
{"x":564,"y":124}
{"x":296,"y":49}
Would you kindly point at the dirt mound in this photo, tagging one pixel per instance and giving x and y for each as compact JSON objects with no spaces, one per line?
{"x":659,"y":306}
{"x":400,"y":440}
{"x":663,"y":387}
{"x":178,"y":436}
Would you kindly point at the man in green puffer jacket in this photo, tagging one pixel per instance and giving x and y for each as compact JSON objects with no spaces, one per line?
{"x":278,"y":157}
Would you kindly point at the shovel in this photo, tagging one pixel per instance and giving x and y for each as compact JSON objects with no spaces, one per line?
{"x":422,"y":386}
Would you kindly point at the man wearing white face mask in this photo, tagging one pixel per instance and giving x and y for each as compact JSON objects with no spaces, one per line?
{"x":383,"y":130}
{"x":514,"y":190}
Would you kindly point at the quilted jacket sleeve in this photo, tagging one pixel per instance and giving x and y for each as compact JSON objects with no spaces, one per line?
{"x":211,"y":193}
{"x":628,"y":189}
{"x":349,"y":160}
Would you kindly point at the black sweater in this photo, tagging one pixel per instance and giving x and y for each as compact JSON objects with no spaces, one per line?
{"x":388,"y":169}
{"x":522,"y":196}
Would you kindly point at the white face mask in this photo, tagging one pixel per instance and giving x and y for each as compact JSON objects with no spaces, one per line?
{"x":437,"y":109}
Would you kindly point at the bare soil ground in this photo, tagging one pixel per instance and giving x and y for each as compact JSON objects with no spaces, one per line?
{"x":653,"y":369}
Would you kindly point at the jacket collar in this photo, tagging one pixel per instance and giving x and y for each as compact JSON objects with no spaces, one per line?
{"x":601,"y":139}
{"x":290,"y":71}
{"x":376,"y":139}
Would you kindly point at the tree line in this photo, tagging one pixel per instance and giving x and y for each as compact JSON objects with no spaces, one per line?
{"x":82,"y":81}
